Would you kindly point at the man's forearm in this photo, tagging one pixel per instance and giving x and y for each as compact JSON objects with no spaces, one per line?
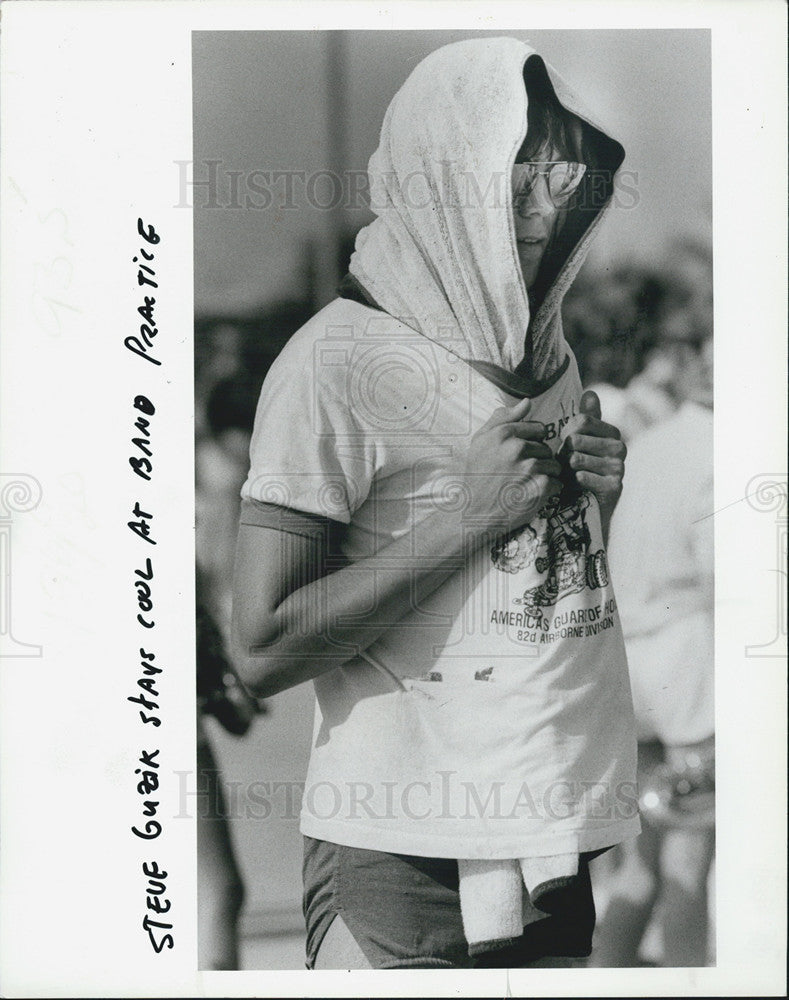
{"x":303,"y":622}
{"x":326,"y":623}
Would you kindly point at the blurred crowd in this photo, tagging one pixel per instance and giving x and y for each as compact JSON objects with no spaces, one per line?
{"x":232,"y":356}
{"x":642,"y":335}
{"x":636,"y":330}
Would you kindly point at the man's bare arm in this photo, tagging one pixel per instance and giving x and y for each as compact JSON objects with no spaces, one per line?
{"x":293,"y":620}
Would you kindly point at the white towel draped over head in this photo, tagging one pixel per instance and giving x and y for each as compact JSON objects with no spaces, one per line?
{"x":441,"y":255}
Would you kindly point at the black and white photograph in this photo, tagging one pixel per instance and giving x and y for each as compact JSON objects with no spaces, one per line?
{"x":394,"y":549}
{"x":430,"y":526}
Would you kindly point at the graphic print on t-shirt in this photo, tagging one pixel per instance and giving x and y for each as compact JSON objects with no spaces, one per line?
{"x":557,"y":544}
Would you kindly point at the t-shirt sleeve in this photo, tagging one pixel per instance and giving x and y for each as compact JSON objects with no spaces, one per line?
{"x":295,"y":522}
{"x":307,"y":451}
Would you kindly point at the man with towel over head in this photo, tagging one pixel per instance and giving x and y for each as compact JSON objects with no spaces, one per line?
{"x":424,"y":537}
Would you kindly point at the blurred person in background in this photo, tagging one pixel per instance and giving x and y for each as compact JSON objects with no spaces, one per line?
{"x":684,"y":321}
{"x":232,"y":355}
{"x":219,"y":343}
{"x":630,"y":328}
{"x":612,"y":323}
{"x":661,"y":553}
{"x":220,"y":889}
{"x":221,"y":463}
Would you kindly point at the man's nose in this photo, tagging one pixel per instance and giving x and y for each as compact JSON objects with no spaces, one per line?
{"x":539,"y":201}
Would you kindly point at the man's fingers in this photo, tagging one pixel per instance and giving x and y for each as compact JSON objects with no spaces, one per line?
{"x":545,"y":486}
{"x":601,"y":486}
{"x":591,"y":427}
{"x":535,"y":449}
{"x":592,"y":445}
{"x":510,"y":414}
{"x":590,"y":404}
{"x":602,"y":466}
{"x":544,"y":467}
{"x":519,"y":410}
{"x":529,"y":430}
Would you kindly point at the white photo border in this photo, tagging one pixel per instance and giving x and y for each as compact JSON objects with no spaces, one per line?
{"x":96,"y":107}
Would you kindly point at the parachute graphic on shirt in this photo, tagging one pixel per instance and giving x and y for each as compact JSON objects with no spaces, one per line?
{"x":557,"y":544}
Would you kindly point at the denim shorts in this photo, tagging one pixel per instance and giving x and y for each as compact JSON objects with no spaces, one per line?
{"x":404,"y":911}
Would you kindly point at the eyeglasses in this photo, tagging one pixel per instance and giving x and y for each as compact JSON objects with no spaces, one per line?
{"x":562,"y":180}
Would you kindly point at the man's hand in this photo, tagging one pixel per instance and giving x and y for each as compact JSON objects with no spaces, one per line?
{"x":294,"y":620}
{"x":510,"y":472}
{"x":595,"y":453}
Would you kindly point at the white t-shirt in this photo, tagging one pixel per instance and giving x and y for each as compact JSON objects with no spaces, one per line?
{"x":495,"y":719}
{"x":662,"y":537}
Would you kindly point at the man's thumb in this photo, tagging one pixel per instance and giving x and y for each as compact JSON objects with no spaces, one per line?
{"x":509,"y":414}
{"x":520,"y":409}
{"x":590,"y":404}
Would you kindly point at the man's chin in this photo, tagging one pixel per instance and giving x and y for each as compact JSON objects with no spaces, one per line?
{"x":528,"y":268}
